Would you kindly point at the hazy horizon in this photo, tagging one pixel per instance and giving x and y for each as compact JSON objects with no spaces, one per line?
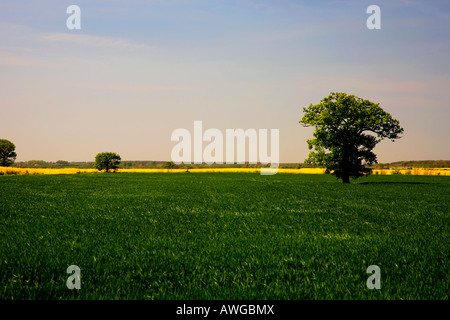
{"x":138,"y":70}
{"x":163,"y":161}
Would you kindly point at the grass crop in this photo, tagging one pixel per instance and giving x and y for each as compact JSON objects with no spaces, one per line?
{"x":223,"y":236}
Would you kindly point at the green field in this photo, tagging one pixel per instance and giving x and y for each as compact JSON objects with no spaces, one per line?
{"x":223,"y":236}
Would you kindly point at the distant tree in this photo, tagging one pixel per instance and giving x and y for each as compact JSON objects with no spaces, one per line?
{"x":37,"y":164}
{"x":106,"y":160}
{"x":129,"y":164}
{"x":169,"y":165}
{"x":62,"y":163}
{"x":347,"y":130}
{"x":7,"y":154}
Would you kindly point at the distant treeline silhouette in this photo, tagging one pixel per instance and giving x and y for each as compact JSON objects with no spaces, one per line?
{"x":162,"y":164}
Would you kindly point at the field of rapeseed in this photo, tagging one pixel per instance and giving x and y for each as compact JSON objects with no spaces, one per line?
{"x":413,"y":171}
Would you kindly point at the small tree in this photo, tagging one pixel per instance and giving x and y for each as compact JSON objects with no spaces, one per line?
{"x":7,"y":154}
{"x":347,"y":130}
{"x":107,"y":160}
{"x":169,"y":165}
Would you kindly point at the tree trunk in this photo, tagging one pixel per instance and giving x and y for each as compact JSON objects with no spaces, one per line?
{"x":346,"y":178}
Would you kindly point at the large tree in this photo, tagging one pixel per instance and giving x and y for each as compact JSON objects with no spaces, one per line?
{"x":107,"y":160}
{"x":7,"y":154}
{"x":347,"y":128}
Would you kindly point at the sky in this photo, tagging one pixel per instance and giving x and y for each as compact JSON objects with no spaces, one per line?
{"x":138,"y":70}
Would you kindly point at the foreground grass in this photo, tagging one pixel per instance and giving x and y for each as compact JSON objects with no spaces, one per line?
{"x":223,"y":236}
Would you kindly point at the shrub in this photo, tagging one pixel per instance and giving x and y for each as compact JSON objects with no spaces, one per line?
{"x":169,"y":165}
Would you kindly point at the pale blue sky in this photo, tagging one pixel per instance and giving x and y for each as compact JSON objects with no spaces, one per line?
{"x":137,"y":70}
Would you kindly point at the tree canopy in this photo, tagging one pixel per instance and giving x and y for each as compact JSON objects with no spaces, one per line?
{"x":106,"y":161}
{"x":347,"y":128}
{"x":7,"y":153}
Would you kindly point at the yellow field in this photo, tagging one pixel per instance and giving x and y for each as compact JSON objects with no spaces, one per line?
{"x":417,"y":171}
{"x":11,"y":170}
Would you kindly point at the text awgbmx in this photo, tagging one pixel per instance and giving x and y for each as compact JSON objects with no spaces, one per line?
{"x":228,"y":309}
